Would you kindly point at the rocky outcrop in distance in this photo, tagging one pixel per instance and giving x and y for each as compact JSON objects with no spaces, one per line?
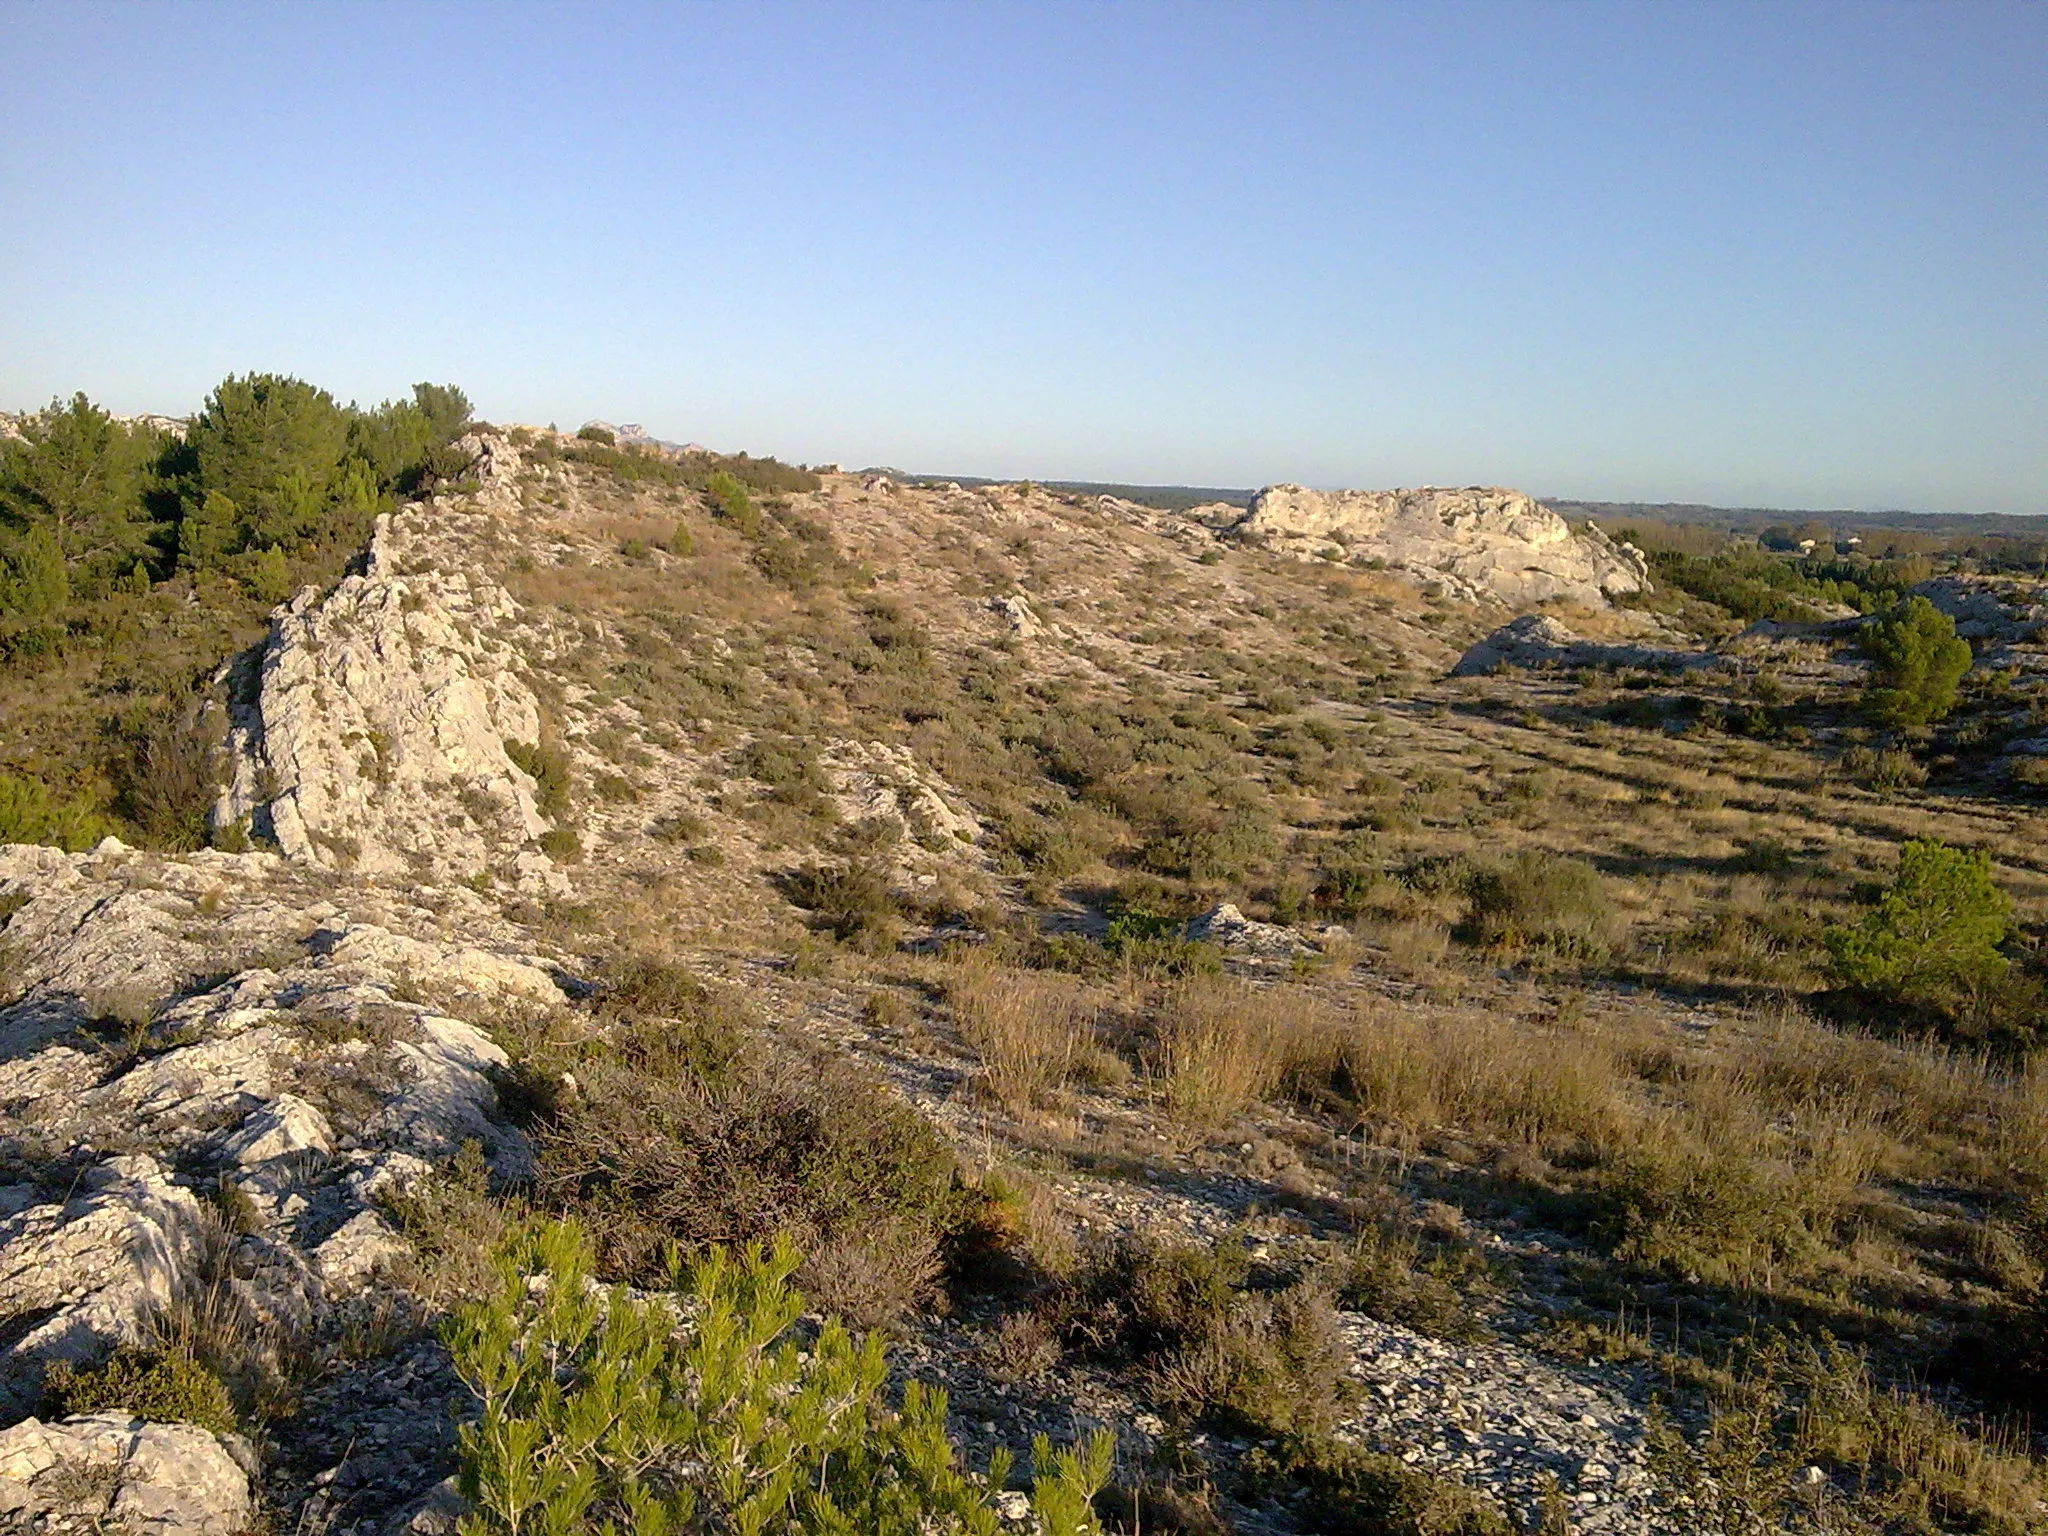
{"x":1479,"y":544}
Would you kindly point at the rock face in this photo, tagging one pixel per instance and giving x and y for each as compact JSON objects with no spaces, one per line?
{"x":1536,"y":640}
{"x":111,"y":1472}
{"x":1479,"y":544}
{"x":305,"y":1082}
{"x":372,"y":734}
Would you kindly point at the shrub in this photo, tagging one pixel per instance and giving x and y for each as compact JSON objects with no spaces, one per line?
{"x":855,"y":899}
{"x":1029,"y":1029}
{"x":1542,"y":901}
{"x":1268,"y":1363}
{"x":693,"y":1128}
{"x":1916,"y":663}
{"x":169,"y":1388}
{"x":1223,"y":1046}
{"x":1350,"y":1491}
{"x":597,"y":1407}
{"x":729,"y":499}
{"x":547,"y":765}
{"x":1933,"y":937}
{"x":29,"y":813}
{"x":173,"y":778}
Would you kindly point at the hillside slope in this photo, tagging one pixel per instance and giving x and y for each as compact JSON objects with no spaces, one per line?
{"x":1130,"y":967}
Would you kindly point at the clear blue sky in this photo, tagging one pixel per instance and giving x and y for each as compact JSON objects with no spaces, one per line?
{"x":1791,"y":254}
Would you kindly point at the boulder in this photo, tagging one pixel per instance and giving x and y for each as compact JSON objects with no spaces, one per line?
{"x":98,"y":1268}
{"x":1536,"y":640}
{"x":1478,"y":544}
{"x":1228,"y":928}
{"x":124,"y":1474}
{"x":372,"y":734}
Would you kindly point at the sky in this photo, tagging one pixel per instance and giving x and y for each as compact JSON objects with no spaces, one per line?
{"x":1772,"y":255}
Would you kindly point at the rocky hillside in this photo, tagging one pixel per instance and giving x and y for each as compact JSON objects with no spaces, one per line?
{"x":1142,"y":982}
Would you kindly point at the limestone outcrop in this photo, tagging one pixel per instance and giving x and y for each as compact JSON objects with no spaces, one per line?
{"x":371,"y":732}
{"x":265,"y":1048}
{"x":107,"y":1471}
{"x":1478,"y":544}
{"x":1536,"y":641}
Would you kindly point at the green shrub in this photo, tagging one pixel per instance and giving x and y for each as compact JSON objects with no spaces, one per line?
{"x":729,"y":499}
{"x":1542,"y":901}
{"x":167,"y":1388}
{"x":29,"y":813}
{"x":547,"y":765}
{"x":1916,"y":662}
{"x":1933,"y":938}
{"x":698,"y":1411}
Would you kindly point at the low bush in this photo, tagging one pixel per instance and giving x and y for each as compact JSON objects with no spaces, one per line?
{"x":1350,"y":1491}
{"x":598,"y":1411}
{"x":1029,"y":1029}
{"x":856,"y":899}
{"x":547,"y":765}
{"x":1542,"y":902}
{"x":693,"y":1126}
{"x":169,"y":1387}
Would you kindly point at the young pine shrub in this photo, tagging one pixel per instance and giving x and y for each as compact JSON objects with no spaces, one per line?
{"x":697,"y":1411}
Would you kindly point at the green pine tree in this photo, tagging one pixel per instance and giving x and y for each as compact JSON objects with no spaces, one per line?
{"x":1916,"y":664}
{"x":1933,"y":938}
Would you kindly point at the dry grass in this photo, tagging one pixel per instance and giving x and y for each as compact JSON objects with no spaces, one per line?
{"x":1030,"y":1029}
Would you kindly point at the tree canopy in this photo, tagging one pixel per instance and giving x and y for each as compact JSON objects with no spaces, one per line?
{"x":1933,"y":937}
{"x":1916,"y":664}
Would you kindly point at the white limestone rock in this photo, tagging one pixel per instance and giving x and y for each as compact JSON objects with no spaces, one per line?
{"x":375,"y":737}
{"x":124,"y":1474}
{"x":1478,"y":544}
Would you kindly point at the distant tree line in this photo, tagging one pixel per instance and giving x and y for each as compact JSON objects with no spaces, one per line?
{"x":92,"y":507}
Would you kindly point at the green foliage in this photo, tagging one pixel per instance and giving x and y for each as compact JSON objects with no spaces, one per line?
{"x":605,"y":1412}
{"x":167,"y":1388}
{"x":270,"y":579}
{"x":29,"y":813}
{"x":84,"y":479}
{"x":271,"y":445}
{"x":1752,"y":585}
{"x":547,"y":765}
{"x":33,"y":581}
{"x":730,"y":500}
{"x":1933,"y":937}
{"x":1916,"y":663}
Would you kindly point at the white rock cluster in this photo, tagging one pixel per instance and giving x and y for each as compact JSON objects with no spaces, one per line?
{"x":1501,"y":1418}
{"x":373,"y":735}
{"x":1478,"y":544}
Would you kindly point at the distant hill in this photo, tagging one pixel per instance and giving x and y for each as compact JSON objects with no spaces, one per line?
{"x":1750,"y":519}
